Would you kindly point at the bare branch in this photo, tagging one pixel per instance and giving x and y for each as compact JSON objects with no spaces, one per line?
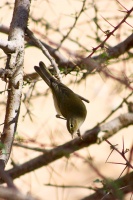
{"x":13,"y":75}
{"x":5,"y":177}
{"x":125,"y":185}
{"x":10,"y":194}
{"x":15,"y":64}
{"x":114,"y":110}
{"x":90,"y":137}
{"x":111,"y":32}
{"x":110,"y":128}
{"x":45,"y":51}
{"x":85,"y":63}
{"x":124,"y":80}
{"x":122,"y":5}
{"x":5,"y":73}
{"x":4,"y":29}
{"x":74,"y":24}
{"x":8,"y":46}
{"x":121,"y":48}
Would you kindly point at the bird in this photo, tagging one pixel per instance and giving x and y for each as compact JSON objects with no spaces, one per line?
{"x":69,"y":105}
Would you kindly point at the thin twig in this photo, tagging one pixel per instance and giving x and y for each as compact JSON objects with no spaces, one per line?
{"x":122,"y":5}
{"x":45,"y":51}
{"x":30,"y":148}
{"x":69,"y":186}
{"x":74,"y":24}
{"x":121,"y":153}
{"x":111,"y":32}
{"x":114,"y":110}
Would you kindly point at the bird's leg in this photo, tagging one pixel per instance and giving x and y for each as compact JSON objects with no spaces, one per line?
{"x":60,"y":117}
{"x":78,"y":133}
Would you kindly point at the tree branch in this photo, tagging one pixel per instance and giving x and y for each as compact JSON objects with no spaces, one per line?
{"x":124,"y":185}
{"x":85,"y":63}
{"x":128,"y":12}
{"x":10,"y":194}
{"x":45,"y":51}
{"x":7,"y":46}
{"x":90,"y":137}
{"x":15,"y":64}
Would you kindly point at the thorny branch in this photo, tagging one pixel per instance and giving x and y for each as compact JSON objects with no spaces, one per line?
{"x":91,"y":136}
{"x":90,"y":64}
{"x":123,"y":184}
{"x":111,"y":32}
{"x":74,"y":24}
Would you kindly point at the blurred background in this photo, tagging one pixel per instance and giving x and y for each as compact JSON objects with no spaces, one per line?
{"x":38,"y":126}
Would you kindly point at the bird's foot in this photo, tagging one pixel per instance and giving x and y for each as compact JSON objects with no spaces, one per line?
{"x":78,"y":133}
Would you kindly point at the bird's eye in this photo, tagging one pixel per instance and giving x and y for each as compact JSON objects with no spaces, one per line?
{"x":71,"y":125}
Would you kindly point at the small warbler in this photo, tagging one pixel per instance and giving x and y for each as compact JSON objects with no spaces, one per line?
{"x":67,"y":103}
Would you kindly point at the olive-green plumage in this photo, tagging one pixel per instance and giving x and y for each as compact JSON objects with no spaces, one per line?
{"x":67,"y":103}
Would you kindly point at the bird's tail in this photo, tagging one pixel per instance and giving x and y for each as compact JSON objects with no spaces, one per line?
{"x":44,"y":73}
